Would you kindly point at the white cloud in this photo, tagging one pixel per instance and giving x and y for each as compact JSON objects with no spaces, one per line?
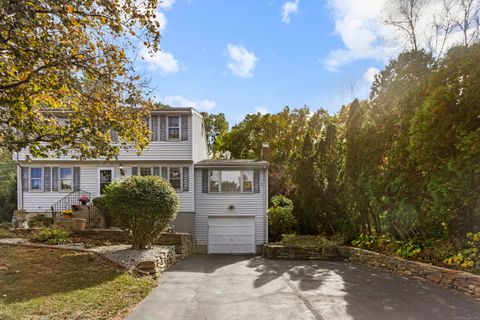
{"x":289,"y":8}
{"x":180,"y":101}
{"x":362,"y":34}
{"x":160,"y":60}
{"x":370,"y":74}
{"x":261,"y":109}
{"x":365,"y":37}
{"x":242,"y":62}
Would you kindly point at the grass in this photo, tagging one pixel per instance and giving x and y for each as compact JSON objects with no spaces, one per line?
{"x":309,"y":241}
{"x":39,"y":283}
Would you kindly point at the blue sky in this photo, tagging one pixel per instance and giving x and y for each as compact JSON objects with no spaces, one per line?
{"x":248,"y":56}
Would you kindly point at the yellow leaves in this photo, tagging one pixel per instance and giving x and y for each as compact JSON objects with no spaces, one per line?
{"x":69,"y":8}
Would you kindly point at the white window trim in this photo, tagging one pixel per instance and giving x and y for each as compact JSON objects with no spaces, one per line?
{"x":219,"y":182}
{"x":98,"y":176}
{"x":59,"y":182}
{"x":241,"y":182}
{"x":181,"y":177}
{"x":42,"y":184}
{"x":179,"y":128}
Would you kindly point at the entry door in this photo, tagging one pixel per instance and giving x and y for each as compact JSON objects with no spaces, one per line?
{"x":231,"y":234}
{"x":105,"y":177}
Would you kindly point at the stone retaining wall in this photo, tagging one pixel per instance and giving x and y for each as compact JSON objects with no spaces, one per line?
{"x":183,"y":242}
{"x":280,"y":252}
{"x":448,"y":278}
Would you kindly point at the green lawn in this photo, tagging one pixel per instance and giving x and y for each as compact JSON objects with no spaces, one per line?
{"x":38,"y":283}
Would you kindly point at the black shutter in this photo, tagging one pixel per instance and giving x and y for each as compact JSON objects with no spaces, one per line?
{"x":256,"y":180}
{"x":154,"y":128}
{"x":76,"y":178}
{"x":25,"y":178}
{"x":134,"y":171}
{"x":47,"y":179}
{"x":205,"y":181}
{"x":156,"y":171}
{"x":54,"y":178}
{"x":185,"y":127}
{"x":165,"y":173}
{"x":163,"y":128}
{"x":185,"y":178}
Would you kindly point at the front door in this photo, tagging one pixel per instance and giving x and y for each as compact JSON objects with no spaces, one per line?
{"x":105,"y":177}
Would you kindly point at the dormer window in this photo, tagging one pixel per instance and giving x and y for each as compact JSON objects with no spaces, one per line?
{"x":173,"y":128}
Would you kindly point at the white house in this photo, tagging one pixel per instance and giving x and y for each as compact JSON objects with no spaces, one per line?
{"x":223,"y":203}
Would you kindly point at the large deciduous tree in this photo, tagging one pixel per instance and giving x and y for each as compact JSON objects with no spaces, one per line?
{"x":67,"y":78}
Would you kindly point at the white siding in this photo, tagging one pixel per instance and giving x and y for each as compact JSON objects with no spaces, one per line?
{"x":42,"y":201}
{"x":246,"y":204}
{"x":156,"y":151}
{"x":200,"y":149}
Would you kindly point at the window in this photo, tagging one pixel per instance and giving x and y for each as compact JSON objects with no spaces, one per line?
{"x":175,"y":178}
{"x":174,"y":128}
{"x":106,"y":177}
{"x":214,"y":181}
{"x":247,"y":181}
{"x":36,"y":179}
{"x":65,"y":180}
{"x":203,"y":129}
{"x":145,"y":171}
{"x":230,"y":181}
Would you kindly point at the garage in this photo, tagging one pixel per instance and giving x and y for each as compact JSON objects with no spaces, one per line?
{"x":231,"y":234}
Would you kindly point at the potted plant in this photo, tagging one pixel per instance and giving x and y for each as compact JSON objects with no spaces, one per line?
{"x":79,"y":223}
{"x":67,"y":214}
{"x":84,"y":200}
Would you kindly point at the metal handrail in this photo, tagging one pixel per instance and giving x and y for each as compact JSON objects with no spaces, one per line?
{"x":68,"y":201}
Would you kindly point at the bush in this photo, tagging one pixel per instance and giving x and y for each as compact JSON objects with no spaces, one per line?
{"x":469,"y":258}
{"x":409,"y":250}
{"x":40,"y":220}
{"x":5,"y":225}
{"x":142,"y":206}
{"x":373,"y":242}
{"x":281,"y":201}
{"x":51,"y":236}
{"x":280,"y":218}
{"x":309,"y":241}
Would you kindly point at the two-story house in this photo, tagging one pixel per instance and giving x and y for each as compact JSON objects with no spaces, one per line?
{"x":223,"y":203}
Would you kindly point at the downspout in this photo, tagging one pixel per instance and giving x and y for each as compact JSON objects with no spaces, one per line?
{"x":19,"y":182}
{"x":265,"y":202}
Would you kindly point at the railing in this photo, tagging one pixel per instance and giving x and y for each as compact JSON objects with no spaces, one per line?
{"x":94,"y":218}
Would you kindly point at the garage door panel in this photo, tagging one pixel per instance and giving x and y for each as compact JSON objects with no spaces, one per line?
{"x":231,"y":235}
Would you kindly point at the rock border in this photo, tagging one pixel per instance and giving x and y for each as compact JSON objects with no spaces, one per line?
{"x":462,"y":281}
{"x":163,"y":259}
{"x":465,"y":282}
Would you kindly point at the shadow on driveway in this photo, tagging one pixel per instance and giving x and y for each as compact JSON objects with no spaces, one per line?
{"x":249,"y":287}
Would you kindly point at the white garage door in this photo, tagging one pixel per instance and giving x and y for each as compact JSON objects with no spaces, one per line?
{"x":231,"y":235}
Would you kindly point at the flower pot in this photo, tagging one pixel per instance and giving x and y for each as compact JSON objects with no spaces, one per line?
{"x":67,"y":216}
{"x":79,"y":223}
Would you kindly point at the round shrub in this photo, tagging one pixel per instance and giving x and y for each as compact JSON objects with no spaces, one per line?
{"x":51,"y":236}
{"x":280,"y":218}
{"x":142,"y":206}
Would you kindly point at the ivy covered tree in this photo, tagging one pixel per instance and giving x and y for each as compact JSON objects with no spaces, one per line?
{"x":67,"y":77}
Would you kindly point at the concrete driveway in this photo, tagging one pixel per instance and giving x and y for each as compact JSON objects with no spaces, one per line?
{"x":247,"y":287}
